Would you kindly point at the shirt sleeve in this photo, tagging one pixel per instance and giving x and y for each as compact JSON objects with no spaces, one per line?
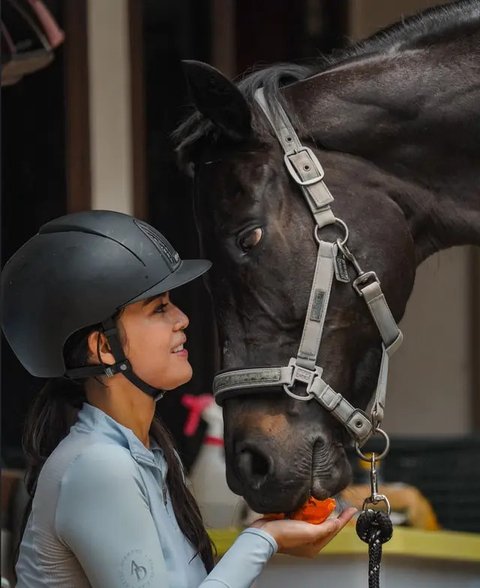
{"x":244,"y":561}
{"x":104,"y":518}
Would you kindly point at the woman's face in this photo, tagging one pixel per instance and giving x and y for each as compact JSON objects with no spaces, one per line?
{"x":155,"y":338}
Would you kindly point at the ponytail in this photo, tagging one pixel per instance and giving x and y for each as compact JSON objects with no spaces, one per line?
{"x":53,"y":412}
{"x":49,"y":419}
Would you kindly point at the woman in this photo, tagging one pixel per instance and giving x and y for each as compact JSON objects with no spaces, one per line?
{"x":86,"y":303}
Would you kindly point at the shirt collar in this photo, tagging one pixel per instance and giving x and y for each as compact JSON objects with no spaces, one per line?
{"x":93,"y":419}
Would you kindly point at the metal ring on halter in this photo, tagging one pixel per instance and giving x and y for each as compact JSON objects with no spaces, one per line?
{"x":308,"y":396}
{"x":338,"y":221}
{"x":380,"y":455}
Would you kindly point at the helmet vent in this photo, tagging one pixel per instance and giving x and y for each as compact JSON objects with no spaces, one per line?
{"x":168,"y":252}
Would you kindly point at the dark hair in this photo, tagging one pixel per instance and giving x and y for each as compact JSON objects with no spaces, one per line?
{"x":55,"y":410}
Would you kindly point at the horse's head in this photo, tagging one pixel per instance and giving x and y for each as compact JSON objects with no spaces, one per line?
{"x":259,"y":233}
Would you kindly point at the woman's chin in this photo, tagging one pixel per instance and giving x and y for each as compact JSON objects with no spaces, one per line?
{"x":181,"y":376}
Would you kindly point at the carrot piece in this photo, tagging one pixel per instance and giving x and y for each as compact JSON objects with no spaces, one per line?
{"x":313,"y":511}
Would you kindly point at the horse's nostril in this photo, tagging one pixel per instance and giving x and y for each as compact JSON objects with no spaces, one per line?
{"x":253,"y":466}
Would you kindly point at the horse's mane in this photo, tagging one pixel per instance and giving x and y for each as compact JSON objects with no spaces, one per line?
{"x":435,"y":25}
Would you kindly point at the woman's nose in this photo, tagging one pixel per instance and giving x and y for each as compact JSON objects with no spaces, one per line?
{"x":181,"y":320}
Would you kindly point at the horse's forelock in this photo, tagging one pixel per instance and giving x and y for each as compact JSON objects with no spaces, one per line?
{"x":188,"y":134}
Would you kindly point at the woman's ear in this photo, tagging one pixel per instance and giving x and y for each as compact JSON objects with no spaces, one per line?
{"x":98,"y":349}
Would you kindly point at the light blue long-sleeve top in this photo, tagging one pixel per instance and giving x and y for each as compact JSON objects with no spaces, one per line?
{"x":102,"y":517}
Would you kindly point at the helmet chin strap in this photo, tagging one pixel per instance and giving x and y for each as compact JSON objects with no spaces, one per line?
{"x":121,"y":366}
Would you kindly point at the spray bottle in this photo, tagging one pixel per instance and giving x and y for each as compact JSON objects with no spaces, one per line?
{"x":219,"y":506}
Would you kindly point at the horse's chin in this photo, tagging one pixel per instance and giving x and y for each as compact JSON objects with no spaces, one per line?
{"x":291,"y":503}
{"x":287,"y":500}
{"x":277,"y":503}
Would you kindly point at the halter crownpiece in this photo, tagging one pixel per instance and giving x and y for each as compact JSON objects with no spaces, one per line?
{"x":305,"y":169}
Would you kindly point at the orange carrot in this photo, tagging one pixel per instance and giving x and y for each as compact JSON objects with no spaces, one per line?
{"x":313,"y":511}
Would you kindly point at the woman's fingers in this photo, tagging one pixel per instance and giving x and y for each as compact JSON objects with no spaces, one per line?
{"x":332,"y":526}
{"x":326,"y":529}
{"x":346,"y":515}
{"x":340,"y":522}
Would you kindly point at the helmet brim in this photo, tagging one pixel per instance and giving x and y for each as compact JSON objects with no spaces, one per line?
{"x":187,"y":271}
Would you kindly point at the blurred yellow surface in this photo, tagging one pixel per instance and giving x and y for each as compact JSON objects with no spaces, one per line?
{"x":445,"y":545}
{"x":403,"y":499}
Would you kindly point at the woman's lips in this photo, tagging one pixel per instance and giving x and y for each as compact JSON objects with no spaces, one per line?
{"x":180,"y":351}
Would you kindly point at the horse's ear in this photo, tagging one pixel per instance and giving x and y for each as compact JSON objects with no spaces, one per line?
{"x":218,"y":99}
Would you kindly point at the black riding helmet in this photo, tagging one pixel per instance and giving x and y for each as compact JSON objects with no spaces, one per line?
{"x":79,"y":270}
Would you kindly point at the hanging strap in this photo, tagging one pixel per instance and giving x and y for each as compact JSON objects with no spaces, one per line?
{"x":392,"y":338}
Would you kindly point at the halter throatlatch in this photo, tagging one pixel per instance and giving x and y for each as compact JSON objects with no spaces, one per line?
{"x":332,"y":263}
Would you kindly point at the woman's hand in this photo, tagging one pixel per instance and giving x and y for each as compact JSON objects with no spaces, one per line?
{"x":304,"y":539}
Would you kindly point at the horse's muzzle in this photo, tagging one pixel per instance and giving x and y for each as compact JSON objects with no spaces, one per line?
{"x":270,"y":484}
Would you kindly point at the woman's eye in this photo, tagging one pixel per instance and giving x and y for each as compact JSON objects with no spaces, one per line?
{"x":250,"y":239}
{"x":161,"y":307}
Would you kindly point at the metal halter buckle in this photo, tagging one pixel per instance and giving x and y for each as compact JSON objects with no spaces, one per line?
{"x":315,"y":164}
{"x":304,"y":375}
{"x":363,"y":278}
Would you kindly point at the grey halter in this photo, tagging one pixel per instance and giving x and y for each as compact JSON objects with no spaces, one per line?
{"x":305,"y":169}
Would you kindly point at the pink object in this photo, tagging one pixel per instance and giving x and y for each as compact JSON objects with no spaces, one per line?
{"x":54,"y":33}
{"x":196,"y":405}
{"x":213,"y":441}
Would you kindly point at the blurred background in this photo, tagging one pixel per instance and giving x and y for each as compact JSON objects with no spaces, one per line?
{"x":91,"y":129}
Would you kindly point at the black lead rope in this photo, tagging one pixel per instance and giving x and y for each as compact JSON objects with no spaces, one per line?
{"x":374,"y":526}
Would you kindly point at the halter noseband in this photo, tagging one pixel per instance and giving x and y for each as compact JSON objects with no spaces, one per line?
{"x":305,"y":169}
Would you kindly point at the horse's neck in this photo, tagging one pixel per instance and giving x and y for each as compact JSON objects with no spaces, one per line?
{"x":416,"y":116}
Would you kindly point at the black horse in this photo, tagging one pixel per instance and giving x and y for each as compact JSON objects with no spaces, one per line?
{"x":395,"y":122}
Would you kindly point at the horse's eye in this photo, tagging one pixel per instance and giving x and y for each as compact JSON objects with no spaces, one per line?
{"x":250,"y":239}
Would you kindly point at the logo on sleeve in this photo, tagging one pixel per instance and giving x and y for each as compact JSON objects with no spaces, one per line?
{"x":136,"y":570}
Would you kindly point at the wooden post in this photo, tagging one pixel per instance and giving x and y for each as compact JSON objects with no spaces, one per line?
{"x":475,"y":336}
{"x":137,"y":96}
{"x":77,"y":119}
